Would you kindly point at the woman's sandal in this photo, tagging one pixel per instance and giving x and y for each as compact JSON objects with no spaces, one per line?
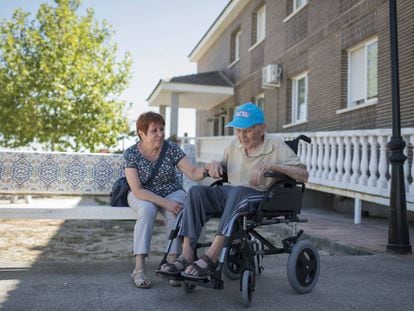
{"x":174,"y":268}
{"x":139,"y":279}
{"x":202,"y":273}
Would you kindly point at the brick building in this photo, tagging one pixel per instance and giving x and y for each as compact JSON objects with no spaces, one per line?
{"x":333,"y":57}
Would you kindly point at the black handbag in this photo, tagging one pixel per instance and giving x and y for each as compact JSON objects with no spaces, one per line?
{"x":119,"y":192}
{"x":120,"y":189}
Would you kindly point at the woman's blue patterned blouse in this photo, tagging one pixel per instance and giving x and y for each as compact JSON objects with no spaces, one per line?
{"x":167,"y":180}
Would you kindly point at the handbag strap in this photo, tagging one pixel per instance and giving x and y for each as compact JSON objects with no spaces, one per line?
{"x":158,"y":164}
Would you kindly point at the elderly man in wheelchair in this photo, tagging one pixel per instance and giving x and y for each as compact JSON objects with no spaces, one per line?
{"x":253,"y":163}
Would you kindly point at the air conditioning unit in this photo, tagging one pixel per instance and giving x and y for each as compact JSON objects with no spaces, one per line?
{"x":271,"y":76}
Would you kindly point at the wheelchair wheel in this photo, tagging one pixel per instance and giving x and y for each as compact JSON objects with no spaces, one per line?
{"x":247,"y":287}
{"x":232,"y":263}
{"x":188,"y":288}
{"x":303,"y":267}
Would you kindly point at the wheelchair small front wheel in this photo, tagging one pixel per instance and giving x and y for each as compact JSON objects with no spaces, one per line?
{"x":303,"y":267}
{"x":247,"y":286}
{"x":233,"y":262}
{"x":188,"y":288}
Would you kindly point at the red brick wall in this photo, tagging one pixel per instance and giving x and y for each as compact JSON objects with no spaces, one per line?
{"x":316,"y":40}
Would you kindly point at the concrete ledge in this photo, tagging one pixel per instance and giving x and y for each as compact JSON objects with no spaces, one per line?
{"x":23,"y":211}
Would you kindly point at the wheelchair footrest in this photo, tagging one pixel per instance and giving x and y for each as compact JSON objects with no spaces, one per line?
{"x":175,"y":277}
{"x":207,"y":282}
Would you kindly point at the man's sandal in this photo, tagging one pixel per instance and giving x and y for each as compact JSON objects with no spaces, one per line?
{"x":139,"y":279}
{"x":175,"y":268}
{"x":202,"y":273}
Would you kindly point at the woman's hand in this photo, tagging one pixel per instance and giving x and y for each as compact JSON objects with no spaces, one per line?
{"x":173,"y":207}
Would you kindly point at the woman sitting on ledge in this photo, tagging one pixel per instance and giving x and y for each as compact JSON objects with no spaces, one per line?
{"x":154,"y":186}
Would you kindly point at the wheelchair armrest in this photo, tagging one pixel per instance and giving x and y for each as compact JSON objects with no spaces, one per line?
{"x":282,"y":179}
{"x":220,"y":182}
{"x":279,"y":176}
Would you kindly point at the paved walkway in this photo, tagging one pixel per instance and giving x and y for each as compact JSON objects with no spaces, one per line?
{"x":336,"y":232}
{"x":379,"y":282}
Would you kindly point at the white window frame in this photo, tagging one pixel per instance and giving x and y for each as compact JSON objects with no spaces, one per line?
{"x":365,"y":100}
{"x":260,"y":102}
{"x":296,"y":9}
{"x":235,"y":54}
{"x":237,"y":46}
{"x":296,"y":5}
{"x":295,"y":81}
{"x":261,"y":24}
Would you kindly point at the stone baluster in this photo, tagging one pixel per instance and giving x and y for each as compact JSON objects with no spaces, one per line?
{"x":406,"y":165}
{"x":302,"y":151}
{"x":326,"y":155}
{"x":308,"y":156}
{"x":340,"y":160}
{"x":332,"y":160}
{"x":320,"y":157}
{"x":314,"y":157}
{"x":347,"y":162}
{"x":363,"y":179}
{"x":373,"y":162}
{"x":383,"y":164}
{"x":355,"y":160}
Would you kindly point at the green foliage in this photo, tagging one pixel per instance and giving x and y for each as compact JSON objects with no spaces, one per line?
{"x":60,"y":80}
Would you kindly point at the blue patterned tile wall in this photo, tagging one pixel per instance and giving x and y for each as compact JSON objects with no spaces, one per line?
{"x":69,"y":173}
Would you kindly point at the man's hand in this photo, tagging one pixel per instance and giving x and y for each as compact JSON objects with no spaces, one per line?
{"x":257,"y":175}
{"x":214,"y":169}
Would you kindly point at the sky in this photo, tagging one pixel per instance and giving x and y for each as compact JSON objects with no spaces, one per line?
{"x":159,"y":34}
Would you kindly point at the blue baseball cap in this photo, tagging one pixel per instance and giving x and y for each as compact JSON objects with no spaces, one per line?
{"x":246,"y":116}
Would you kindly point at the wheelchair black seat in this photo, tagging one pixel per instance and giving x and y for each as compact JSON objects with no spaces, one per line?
{"x":283,"y":196}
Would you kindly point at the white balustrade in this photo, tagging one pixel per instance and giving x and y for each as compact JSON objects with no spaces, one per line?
{"x":352,"y":161}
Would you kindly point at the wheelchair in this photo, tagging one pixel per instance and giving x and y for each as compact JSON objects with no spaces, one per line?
{"x":244,"y":247}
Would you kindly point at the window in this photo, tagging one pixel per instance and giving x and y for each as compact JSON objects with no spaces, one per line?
{"x":260,"y":101}
{"x":235,"y":46}
{"x":297,"y":4}
{"x":300,"y":98}
{"x":362,"y":73}
{"x":259,"y":25}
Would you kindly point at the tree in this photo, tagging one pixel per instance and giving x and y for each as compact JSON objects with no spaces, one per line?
{"x":60,"y":80}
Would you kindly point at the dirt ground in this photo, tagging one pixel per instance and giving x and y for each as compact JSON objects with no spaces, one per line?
{"x":74,"y":240}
